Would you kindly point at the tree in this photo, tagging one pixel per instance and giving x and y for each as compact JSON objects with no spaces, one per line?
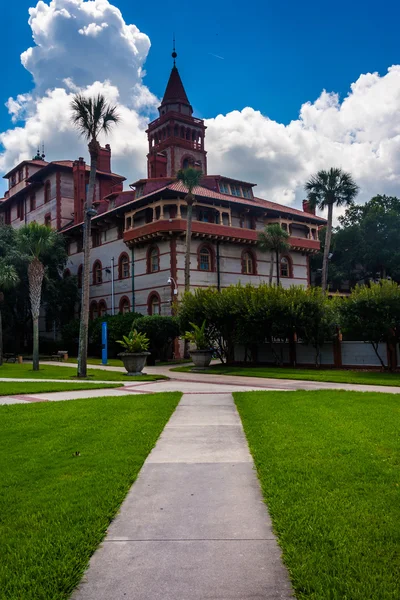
{"x":8,"y":279}
{"x":35,"y":242}
{"x":190,"y":178}
{"x":328,"y":189}
{"x":91,"y":116}
{"x":274,"y":239}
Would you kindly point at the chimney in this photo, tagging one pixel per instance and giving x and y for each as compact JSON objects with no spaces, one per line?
{"x":307,"y":208}
{"x":79,"y":177}
{"x":104,"y":160}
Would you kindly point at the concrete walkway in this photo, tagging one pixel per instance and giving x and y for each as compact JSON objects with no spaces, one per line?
{"x":194,"y":525}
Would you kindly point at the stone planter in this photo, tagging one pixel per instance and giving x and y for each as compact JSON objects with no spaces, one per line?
{"x":133,"y":361}
{"x":201,"y":358}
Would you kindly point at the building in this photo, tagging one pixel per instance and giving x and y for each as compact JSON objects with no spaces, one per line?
{"x":138,"y":235}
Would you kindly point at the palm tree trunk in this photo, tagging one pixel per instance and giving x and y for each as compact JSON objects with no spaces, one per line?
{"x":35,"y":278}
{"x":278,"y":282}
{"x":189,"y":217}
{"x":271,"y":268}
{"x":327,"y":249}
{"x":84,"y":323}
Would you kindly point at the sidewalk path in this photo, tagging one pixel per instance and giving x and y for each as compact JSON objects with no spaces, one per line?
{"x":194,"y":525}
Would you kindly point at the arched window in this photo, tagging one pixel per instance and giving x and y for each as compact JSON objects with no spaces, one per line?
{"x":154,"y":304}
{"x":79,"y":275}
{"x":187,"y":161}
{"x":94,"y":311}
{"x":97,"y":273}
{"x":248,"y":263}
{"x":67,"y":273}
{"x":123,"y":266}
{"x":153,"y":259}
{"x":47,"y":191}
{"x":286,"y":267}
{"x":102,"y":308}
{"x":124,"y":305}
{"x":205,"y":258}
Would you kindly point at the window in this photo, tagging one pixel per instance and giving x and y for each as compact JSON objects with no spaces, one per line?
{"x":96,"y":238}
{"x":139,"y":191}
{"x":153,"y":260}
{"x":79,"y":276}
{"x":223,"y":187}
{"x":247,"y":192}
{"x":248,"y":263}
{"x":79,"y":245}
{"x":285,"y":267}
{"x":20,"y":209}
{"x":247,"y":221}
{"x":97,"y":273}
{"x":123,"y":266}
{"x":205,"y":216}
{"x":187,"y":162}
{"x":47,"y":192}
{"x":102,"y":308}
{"x":124,"y":305}
{"x":154,"y":304}
{"x":236,"y":190}
{"x":94,"y":311}
{"x":32,"y":202}
{"x":20,"y":175}
{"x":205,"y":261}
{"x":47,"y":220}
{"x":7,"y":216}
{"x":120,"y":230}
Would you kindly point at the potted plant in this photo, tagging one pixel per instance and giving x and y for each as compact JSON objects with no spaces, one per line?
{"x":134,"y":357}
{"x":203,"y":354}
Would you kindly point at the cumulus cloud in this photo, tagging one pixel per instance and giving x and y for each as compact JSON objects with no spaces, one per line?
{"x":83,"y":45}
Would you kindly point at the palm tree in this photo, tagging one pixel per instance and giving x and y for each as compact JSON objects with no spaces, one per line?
{"x":190,"y":178}
{"x":327,"y":189}
{"x":8,"y":279}
{"x":274,"y":239}
{"x":35,"y":242}
{"x":91,"y":116}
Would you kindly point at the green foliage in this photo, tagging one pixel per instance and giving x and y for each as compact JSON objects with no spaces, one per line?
{"x":93,"y":115}
{"x":117,"y":325}
{"x":198,"y":336}
{"x":190,"y":177}
{"x":332,"y":187}
{"x":372,"y":314}
{"x":160,"y":330}
{"x":134,"y":342}
{"x":250,"y":316}
{"x":273,"y":238}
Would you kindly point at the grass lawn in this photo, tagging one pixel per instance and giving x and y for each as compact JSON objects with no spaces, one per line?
{"x":9,"y":388}
{"x":58,"y":372}
{"x":328,"y":463}
{"x":336,"y":376}
{"x":54,"y":506}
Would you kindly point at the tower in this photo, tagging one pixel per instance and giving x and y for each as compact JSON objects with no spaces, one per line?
{"x":176,"y":138}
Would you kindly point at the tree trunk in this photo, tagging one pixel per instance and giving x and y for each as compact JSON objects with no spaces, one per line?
{"x":278,"y":281}
{"x":35,"y":278}
{"x":84,"y":324}
{"x":324,"y":283}
{"x":271,"y":268}
{"x":189,"y":201}
{"x":1,"y":340}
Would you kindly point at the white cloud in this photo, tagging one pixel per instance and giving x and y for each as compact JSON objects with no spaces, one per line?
{"x":86,"y":45}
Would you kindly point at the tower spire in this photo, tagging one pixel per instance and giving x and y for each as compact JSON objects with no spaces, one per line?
{"x":174,"y":54}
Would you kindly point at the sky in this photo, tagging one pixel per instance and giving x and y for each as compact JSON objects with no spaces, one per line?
{"x":286,"y":88}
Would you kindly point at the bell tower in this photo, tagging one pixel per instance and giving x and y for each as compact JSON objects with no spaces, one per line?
{"x":176,"y":138}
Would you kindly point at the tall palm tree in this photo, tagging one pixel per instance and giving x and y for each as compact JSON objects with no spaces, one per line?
{"x":327,"y":189}
{"x":8,"y":279}
{"x":190,"y":178}
{"x":35,"y":242}
{"x":274,"y":239}
{"x":91,"y":116}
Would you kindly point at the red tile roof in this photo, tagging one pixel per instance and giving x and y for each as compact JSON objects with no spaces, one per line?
{"x":175,"y":92}
{"x":39,"y":163}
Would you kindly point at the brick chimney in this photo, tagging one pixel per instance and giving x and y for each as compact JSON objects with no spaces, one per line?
{"x":307,"y":208}
{"x":104,"y":160}
{"x":79,"y":176}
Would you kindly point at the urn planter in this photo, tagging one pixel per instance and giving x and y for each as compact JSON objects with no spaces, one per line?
{"x":201,"y":358}
{"x":133,"y":362}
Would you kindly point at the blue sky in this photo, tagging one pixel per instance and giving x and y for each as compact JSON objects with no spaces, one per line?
{"x":276,"y":55}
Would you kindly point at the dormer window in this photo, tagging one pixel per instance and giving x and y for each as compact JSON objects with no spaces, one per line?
{"x":139,"y":191}
{"x":223,"y":187}
{"x":247,"y":193}
{"x":236,"y":190}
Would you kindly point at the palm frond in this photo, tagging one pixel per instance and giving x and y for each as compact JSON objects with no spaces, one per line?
{"x":190,"y":178}
{"x":91,"y":115}
{"x":333,"y":187}
{"x":8,"y":275}
{"x":273,"y":238}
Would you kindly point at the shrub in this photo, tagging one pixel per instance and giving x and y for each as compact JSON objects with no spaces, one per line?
{"x":161,"y":331}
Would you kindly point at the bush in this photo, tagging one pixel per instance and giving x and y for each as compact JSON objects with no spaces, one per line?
{"x":161,"y":332}
{"x":118,"y":325}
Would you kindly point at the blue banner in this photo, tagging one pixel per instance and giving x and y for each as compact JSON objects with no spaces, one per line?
{"x":104,"y":356}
